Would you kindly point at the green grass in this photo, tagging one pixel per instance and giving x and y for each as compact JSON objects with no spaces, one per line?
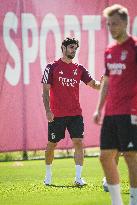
{"x":21,"y":183}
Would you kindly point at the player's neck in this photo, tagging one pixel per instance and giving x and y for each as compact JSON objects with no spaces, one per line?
{"x":122,"y":38}
{"x":66,"y":60}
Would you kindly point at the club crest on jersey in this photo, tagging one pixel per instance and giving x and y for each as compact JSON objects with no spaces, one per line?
{"x":75,"y":72}
{"x":109,"y":56}
{"x":124,"y":55}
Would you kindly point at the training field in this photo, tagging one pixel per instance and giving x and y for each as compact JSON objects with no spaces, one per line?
{"x":21,"y":183}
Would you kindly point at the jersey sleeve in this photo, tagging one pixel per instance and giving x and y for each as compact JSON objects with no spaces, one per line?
{"x":47,"y":77}
{"x":106,"y":72}
{"x":86,"y":77}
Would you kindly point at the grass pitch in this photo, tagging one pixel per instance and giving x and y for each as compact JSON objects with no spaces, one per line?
{"x":21,"y":183}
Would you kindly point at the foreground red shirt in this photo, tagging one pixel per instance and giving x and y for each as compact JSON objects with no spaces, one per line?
{"x":64,"y":93}
{"x":121,"y":67}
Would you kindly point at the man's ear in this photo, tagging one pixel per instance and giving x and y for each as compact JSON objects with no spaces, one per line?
{"x":63,"y":48}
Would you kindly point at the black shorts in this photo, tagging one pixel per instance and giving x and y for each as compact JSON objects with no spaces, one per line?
{"x":119,"y":132}
{"x":74,"y":125}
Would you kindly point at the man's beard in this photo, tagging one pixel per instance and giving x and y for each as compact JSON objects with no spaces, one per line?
{"x":70,"y":57}
{"x":117,"y":37}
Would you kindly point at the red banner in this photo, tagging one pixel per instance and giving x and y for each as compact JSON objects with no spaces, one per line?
{"x":31,"y":33}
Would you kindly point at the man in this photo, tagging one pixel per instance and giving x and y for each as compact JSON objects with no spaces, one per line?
{"x":104,"y":181}
{"x":119,"y":90}
{"x":61,"y":79}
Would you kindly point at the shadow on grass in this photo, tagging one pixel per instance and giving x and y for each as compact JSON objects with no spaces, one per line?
{"x":65,"y":186}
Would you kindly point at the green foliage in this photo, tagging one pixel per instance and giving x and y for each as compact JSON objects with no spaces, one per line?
{"x":21,"y":183}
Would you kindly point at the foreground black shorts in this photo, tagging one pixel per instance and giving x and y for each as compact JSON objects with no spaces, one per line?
{"x":119,"y":132}
{"x":74,"y":125}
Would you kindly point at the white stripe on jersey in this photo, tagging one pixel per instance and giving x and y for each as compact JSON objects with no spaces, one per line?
{"x":46,"y":75}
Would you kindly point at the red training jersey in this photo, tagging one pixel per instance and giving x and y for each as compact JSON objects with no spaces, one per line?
{"x":64,"y":93}
{"x":121,"y":67}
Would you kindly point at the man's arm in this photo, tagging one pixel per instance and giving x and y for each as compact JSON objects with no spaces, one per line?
{"x":101,"y":100}
{"x":96,"y":84}
{"x":46,"y":90}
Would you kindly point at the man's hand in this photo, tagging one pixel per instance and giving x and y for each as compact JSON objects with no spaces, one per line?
{"x":97,"y":117}
{"x":50,"y":116}
{"x":94,"y":84}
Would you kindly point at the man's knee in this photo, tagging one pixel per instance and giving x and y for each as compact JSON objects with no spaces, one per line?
{"x":130,"y":157}
{"x":103,"y":156}
{"x":51,"y":146}
{"x":107,"y":155}
{"x":78,"y":143}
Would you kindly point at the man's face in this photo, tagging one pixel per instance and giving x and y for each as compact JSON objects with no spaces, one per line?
{"x":70,"y":51}
{"x":116,"y":26}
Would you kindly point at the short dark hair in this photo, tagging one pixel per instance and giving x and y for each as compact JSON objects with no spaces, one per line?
{"x":67,"y":41}
{"x":116,"y":9}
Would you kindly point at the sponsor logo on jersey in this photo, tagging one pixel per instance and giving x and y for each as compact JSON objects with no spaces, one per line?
{"x":68,"y":81}
{"x":116,"y":68}
{"x":61,"y":72}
